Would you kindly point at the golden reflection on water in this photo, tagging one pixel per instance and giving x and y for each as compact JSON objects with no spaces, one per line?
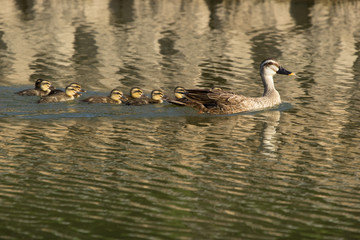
{"x":190,"y":141}
{"x":227,"y":157}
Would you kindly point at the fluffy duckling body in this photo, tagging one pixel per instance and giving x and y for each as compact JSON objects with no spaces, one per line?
{"x":218,"y":101}
{"x":68,"y":95}
{"x":114,"y":98}
{"x":42,"y":88}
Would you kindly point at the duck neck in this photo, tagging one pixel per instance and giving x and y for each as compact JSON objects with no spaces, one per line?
{"x":268,"y":82}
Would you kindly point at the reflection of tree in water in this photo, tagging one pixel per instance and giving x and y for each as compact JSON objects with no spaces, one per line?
{"x":85,"y":57}
{"x":27,"y":9}
{"x":122,"y":12}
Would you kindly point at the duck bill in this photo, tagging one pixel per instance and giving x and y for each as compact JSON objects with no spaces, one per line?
{"x":284,"y":71}
{"x":82,"y":90}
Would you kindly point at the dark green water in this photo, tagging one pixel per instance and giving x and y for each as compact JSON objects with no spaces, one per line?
{"x":81,"y":171}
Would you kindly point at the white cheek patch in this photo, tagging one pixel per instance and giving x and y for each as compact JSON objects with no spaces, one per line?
{"x":274,"y":68}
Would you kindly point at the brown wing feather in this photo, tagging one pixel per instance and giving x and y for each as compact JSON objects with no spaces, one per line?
{"x":212,"y":96}
{"x":100,"y":99}
{"x":179,"y":101}
{"x":138,"y":101}
{"x":96,"y":99}
{"x":201,"y":96}
{"x":58,"y":97}
{"x":217,"y":101}
{"x":32,"y":92}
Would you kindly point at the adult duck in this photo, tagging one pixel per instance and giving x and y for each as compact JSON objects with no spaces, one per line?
{"x":218,"y":101}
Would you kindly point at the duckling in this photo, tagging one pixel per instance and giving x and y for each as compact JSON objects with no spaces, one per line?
{"x":136,"y":97}
{"x":157,"y":96}
{"x":180,"y":98}
{"x":218,"y":101}
{"x":179,"y":92}
{"x":74,"y":85}
{"x":42,"y":88}
{"x":68,"y":95}
{"x":114,"y":97}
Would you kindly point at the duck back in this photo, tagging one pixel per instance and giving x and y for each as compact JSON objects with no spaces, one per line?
{"x":99,"y":99}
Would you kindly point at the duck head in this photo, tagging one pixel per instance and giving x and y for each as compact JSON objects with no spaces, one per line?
{"x":272,"y":67}
{"x":136,"y":92}
{"x":77,"y":87}
{"x":38,"y":83}
{"x":70,"y":91}
{"x":157,"y":95}
{"x":179,"y":92}
{"x":45,"y":86}
{"x":116,"y":95}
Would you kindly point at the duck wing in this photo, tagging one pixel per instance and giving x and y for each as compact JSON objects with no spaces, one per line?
{"x":137,"y":101}
{"x":58,"y":97}
{"x":217,"y":101}
{"x":95,"y":99}
{"x":213,"y":96}
{"x":28,"y":92}
{"x":179,"y":101}
{"x":100,"y":99}
{"x":55,"y":91}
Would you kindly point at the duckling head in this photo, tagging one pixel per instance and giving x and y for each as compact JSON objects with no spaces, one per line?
{"x":45,"y":85}
{"x":70,"y":91}
{"x":116,"y":95}
{"x":157,"y":95}
{"x":179,"y":92}
{"x":77,"y":87}
{"x":271,"y":67}
{"x":38,"y":83}
{"x":136,"y":92}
